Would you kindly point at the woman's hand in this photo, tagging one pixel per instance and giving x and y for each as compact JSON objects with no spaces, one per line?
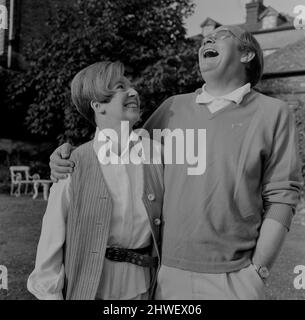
{"x":60,"y":164}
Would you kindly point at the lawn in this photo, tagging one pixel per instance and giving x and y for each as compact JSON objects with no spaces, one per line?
{"x":20,"y":222}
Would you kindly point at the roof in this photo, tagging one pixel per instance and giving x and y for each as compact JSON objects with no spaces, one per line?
{"x":269,"y":11}
{"x":210,"y":22}
{"x":279,"y":38}
{"x":289,"y":58}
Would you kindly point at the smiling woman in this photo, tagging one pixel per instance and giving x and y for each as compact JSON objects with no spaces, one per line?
{"x":102,"y":94}
{"x":96,"y":82}
{"x":107,"y":201}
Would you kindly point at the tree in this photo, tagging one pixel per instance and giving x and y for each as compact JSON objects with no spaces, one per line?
{"x":148,"y":36}
{"x":12,"y":117}
{"x":176,"y":72}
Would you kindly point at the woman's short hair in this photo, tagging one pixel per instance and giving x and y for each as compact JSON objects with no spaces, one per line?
{"x":95,"y":83}
{"x":254,"y":68}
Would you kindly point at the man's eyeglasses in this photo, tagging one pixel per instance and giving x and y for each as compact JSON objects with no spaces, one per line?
{"x":219,"y":35}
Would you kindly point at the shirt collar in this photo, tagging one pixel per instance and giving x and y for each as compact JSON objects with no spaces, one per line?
{"x":236,"y":96}
{"x":101,"y":140}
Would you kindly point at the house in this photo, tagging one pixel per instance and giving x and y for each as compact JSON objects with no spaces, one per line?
{"x":272,"y":29}
{"x":26,"y":20}
{"x":284,"y":50}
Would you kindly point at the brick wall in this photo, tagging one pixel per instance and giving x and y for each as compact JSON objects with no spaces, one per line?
{"x":3,"y":36}
{"x":290,"y":89}
{"x":3,"y":18}
{"x":30,"y":17}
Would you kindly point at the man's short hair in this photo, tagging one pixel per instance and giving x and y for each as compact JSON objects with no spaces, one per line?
{"x":254,"y":68}
{"x":95,"y":83}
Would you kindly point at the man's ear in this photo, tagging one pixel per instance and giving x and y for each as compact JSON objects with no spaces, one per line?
{"x":98,"y":107}
{"x":247,"y":56}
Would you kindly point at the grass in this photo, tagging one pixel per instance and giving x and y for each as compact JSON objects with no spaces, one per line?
{"x":20,"y":223}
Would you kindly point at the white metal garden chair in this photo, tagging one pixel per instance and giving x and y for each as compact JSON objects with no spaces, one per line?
{"x":20,"y":175}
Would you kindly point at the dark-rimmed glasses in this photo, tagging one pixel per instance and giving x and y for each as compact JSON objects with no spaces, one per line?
{"x":219,"y":35}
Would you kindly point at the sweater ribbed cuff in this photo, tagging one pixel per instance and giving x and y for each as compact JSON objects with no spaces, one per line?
{"x":281,"y":213}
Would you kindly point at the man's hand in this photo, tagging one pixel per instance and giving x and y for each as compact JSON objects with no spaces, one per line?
{"x":269,"y":243}
{"x":60,"y":164}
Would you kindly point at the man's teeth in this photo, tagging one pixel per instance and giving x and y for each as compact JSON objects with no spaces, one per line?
{"x":131,"y":105}
{"x":210,"y":53}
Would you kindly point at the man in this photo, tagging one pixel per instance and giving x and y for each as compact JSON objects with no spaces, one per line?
{"x":222,"y":230}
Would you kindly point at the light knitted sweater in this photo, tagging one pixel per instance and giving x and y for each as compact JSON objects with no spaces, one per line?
{"x":212,"y":221}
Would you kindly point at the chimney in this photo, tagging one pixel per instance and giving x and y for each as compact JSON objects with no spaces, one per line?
{"x":254,"y":9}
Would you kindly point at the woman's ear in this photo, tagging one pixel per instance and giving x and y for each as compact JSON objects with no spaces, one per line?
{"x":247,"y":56}
{"x":98,"y":107}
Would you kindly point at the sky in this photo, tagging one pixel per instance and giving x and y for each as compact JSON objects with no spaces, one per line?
{"x":231,"y":11}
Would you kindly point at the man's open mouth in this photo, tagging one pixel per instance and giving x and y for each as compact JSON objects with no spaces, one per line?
{"x":131,"y":105}
{"x":210,"y":53}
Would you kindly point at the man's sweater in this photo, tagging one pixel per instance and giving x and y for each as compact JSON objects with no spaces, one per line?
{"x":212,"y":221}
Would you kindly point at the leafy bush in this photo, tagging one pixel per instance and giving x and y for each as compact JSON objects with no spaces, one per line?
{"x":12,"y":114}
{"x":148,"y":36}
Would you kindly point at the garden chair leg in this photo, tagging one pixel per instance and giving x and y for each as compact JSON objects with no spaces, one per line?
{"x":36,"y":185}
{"x":17,"y":193}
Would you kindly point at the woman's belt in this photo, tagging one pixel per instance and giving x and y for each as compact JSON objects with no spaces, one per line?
{"x":138,"y":257}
